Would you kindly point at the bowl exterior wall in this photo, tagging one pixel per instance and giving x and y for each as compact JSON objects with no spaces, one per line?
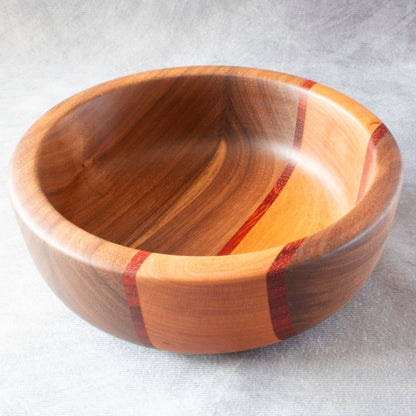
{"x":209,"y":318}
{"x":95,"y":294}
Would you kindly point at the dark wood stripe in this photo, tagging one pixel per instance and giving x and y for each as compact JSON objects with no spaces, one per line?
{"x":282,"y":181}
{"x":276,"y":291}
{"x":129,"y":279}
{"x":377,"y":135}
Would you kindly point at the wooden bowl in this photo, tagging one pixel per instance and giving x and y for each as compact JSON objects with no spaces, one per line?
{"x":206,"y":209}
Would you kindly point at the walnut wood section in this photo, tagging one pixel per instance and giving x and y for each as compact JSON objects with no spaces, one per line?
{"x":341,"y":257}
{"x":170,"y":165}
{"x":126,"y":192}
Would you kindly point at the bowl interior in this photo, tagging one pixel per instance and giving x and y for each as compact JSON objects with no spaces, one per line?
{"x":178,"y":165}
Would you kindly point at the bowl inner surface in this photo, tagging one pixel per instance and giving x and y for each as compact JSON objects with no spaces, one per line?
{"x":178,"y":165}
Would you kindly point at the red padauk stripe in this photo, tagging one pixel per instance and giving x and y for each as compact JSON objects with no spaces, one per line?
{"x":276,"y":291}
{"x":376,"y":136}
{"x":281,"y":182}
{"x":129,"y":279}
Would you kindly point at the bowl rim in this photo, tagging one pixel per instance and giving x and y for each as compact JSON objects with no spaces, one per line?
{"x":34,"y":209}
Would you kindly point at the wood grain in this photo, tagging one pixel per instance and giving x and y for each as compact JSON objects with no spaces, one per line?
{"x":281,"y":183}
{"x":127,"y":192}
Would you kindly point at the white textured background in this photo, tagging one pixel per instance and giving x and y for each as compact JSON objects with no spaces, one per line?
{"x":362,"y":361}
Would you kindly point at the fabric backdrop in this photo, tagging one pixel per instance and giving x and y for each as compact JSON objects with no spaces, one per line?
{"x":361,"y":361}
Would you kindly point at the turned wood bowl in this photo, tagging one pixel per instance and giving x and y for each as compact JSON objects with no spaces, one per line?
{"x":206,"y":209}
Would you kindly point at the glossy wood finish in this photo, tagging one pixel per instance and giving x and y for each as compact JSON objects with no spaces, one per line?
{"x":206,"y":209}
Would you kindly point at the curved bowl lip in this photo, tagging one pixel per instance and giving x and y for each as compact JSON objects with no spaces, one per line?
{"x":35,"y":210}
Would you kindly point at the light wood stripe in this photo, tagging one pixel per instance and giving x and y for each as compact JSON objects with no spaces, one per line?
{"x":197,"y":307}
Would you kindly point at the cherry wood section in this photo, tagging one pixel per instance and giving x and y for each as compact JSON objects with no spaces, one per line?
{"x":206,"y":209}
{"x":129,"y":278}
{"x":276,"y":291}
{"x":377,"y":134}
